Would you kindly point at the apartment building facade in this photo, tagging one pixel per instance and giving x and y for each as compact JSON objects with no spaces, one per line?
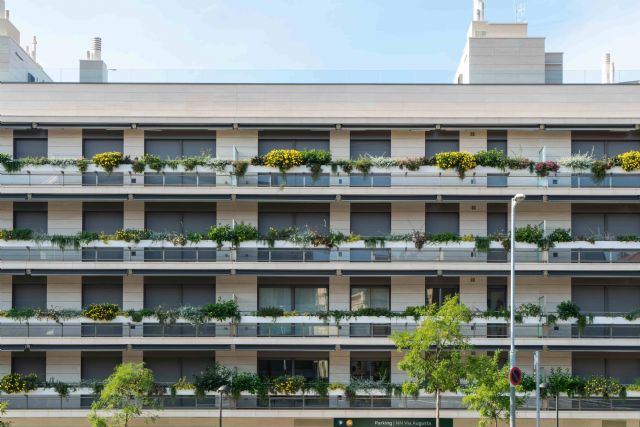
{"x":597,"y":270}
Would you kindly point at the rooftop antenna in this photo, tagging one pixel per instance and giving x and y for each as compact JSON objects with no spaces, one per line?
{"x":520,"y":9}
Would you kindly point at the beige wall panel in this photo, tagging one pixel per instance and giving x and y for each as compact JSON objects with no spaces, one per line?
{"x":407,"y":217}
{"x":6,"y":141}
{"x":245,"y":141}
{"x":406,"y":143}
{"x":65,"y":143}
{"x":132,"y":356}
{"x":407,"y":291}
{"x":473,"y":292}
{"x":64,"y":366}
{"x":339,"y":367}
{"x":133,"y":143}
{"x":529,"y":143}
{"x":246,"y":212}
{"x":65,"y":217}
{"x":5,"y":363}
{"x":6,"y":292}
{"x":6,"y":215}
{"x":339,"y":144}
{"x":244,"y":288}
{"x":339,"y":293}
{"x":64,"y":292}
{"x":473,"y":140}
{"x":133,"y":214}
{"x":473,"y":218}
{"x":243,"y":361}
{"x":340,"y":217}
{"x":132,"y":292}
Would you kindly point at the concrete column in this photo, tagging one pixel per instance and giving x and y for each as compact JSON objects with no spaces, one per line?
{"x":133,"y":144}
{"x":243,"y":361}
{"x":5,"y":363}
{"x":397,"y":376}
{"x":246,"y":212}
{"x":473,"y":218}
{"x":65,"y":217}
{"x":407,"y":217}
{"x":6,"y":292}
{"x":132,"y":356}
{"x":406,"y":292}
{"x":6,"y":215}
{"x":339,"y":144}
{"x":245,"y":141}
{"x":340,"y":217}
{"x":132,"y":292}
{"x":339,"y":367}
{"x":473,"y":292}
{"x":64,"y":366}
{"x":65,"y":143}
{"x":473,"y":140}
{"x":244,"y":288}
{"x":6,"y":141}
{"x":133,"y":214}
{"x":64,"y":292}
{"x":407,"y":143}
{"x":339,"y":293}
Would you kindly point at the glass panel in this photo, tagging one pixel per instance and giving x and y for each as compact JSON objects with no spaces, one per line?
{"x":496,"y":297}
{"x":377,"y":370}
{"x":275,"y":297}
{"x":360,"y":298}
{"x":311,"y":299}
{"x":274,"y":368}
{"x":380,"y":297}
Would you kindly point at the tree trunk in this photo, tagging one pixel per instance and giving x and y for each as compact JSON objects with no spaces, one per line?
{"x":437,"y":408}
{"x":557,"y":410}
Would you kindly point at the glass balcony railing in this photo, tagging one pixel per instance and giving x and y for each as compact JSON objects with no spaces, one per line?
{"x":393,"y":179}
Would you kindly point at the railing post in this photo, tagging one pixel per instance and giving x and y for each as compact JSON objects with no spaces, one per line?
{"x":197,"y":179}
{"x":96,"y":180}
{"x":164,"y":181}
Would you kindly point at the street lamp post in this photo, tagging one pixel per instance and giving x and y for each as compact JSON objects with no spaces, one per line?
{"x":222,"y":390}
{"x":512,"y":330}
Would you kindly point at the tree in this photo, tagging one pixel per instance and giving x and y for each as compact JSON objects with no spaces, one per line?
{"x":126,"y":392}
{"x":487,"y":390}
{"x":3,"y":411}
{"x":561,"y":381}
{"x":432,"y":358}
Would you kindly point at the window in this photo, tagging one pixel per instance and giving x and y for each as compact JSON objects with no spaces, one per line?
{"x":602,"y":295}
{"x":96,"y":141}
{"x":180,"y":143}
{"x":292,"y":140}
{"x":98,"y":365}
{"x":370,"y":292}
{"x":173,"y":292}
{"x":440,"y":141}
{"x":371,"y":219}
{"x":29,"y":292}
{"x":604,"y":144}
{"x":604,"y":221}
{"x":625,"y":366}
{"x":312,"y":295}
{"x":496,"y":293}
{"x":497,"y":140}
{"x":496,"y":218}
{"x":102,"y":290}
{"x":311,"y":216}
{"x":309,"y":365}
{"x":102,"y":217}
{"x":168,"y":367}
{"x":373,"y":143}
{"x":438,"y":289}
{"x":26,"y":363}
{"x":374,"y":366}
{"x":30,"y":143}
{"x":31,"y":215}
{"x":442,"y":218}
{"x":180,"y":217}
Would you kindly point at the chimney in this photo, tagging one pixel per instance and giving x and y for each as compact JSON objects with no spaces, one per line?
{"x":93,"y":69}
{"x":478,"y":10}
{"x":34,"y":48}
{"x":608,"y":70}
{"x":96,"y":49}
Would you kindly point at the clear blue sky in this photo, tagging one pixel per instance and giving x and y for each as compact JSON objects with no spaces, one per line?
{"x":313,"y":35}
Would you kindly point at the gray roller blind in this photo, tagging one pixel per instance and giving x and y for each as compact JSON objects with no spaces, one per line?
{"x":101,"y":290}
{"x":596,"y":148}
{"x":29,"y":292}
{"x":165,"y":149}
{"x":622,"y":223}
{"x":170,"y":367}
{"x":441,"y":141}
{"x":30,"y":363}
{"x":588,"y":367}
{"x":199,"y":222}
{"x":625,"y":369}
{"x":442,"y":218}
{"x":162,"y":295}
{"x":167,"y":369}
{"x":98,"y":365}
{"x":313,"y":216}
{"x":590,"y":298}
{"x":370,"y":143}
{"x":96,"y":141}
{"x":31,"y":215}
{"x":496,"y":223}
{"x":497,"y":140}
{"x":604,"y":143}
{"x":102,"y":217}
{"x":371,"y":219}
{"x":177,"y":144}
{"x":179,"y":291}
{"x":623,"y":299}
{"x":196,"y":295}
{"x":590,"y":224}
{"x":180,"y":217}
{"x":30,"y":143}
{"x":292,"y":140}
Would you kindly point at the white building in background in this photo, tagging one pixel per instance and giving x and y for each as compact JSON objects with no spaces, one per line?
{"x":17,"y":64}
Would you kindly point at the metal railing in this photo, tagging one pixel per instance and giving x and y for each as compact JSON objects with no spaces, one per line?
{"x":80,"y":401}
{"x":307,"y":180}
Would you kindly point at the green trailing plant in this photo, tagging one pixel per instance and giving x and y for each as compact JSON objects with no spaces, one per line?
{"x":240,"y":167}
{"x":599,"y":169}
{"x":102,"y":312}
{"x":16,"y":234}
{"x":491,"y":158}
{"x":483,"y":244}
{"x":529,"y":234}
{"x":445,"y":237}
{"x":418,"y":238}
{"x":222,"y":310}
{"x":570,"y":310}
{"x":288,"y":384}
{"x":109,"y":160}
{"x":211,"y":379}
{"x":314,"y":160}
{"x":527,"y":310}
{"x":154,"y":162}
{"x":18,"y":383}
{"x":606,"y":387}
{"x":132,"y":235}
{"x":560,"y":235}
{"x":273,"y":312}
{"x":363,"y":165}
{"x":63,"y":389}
